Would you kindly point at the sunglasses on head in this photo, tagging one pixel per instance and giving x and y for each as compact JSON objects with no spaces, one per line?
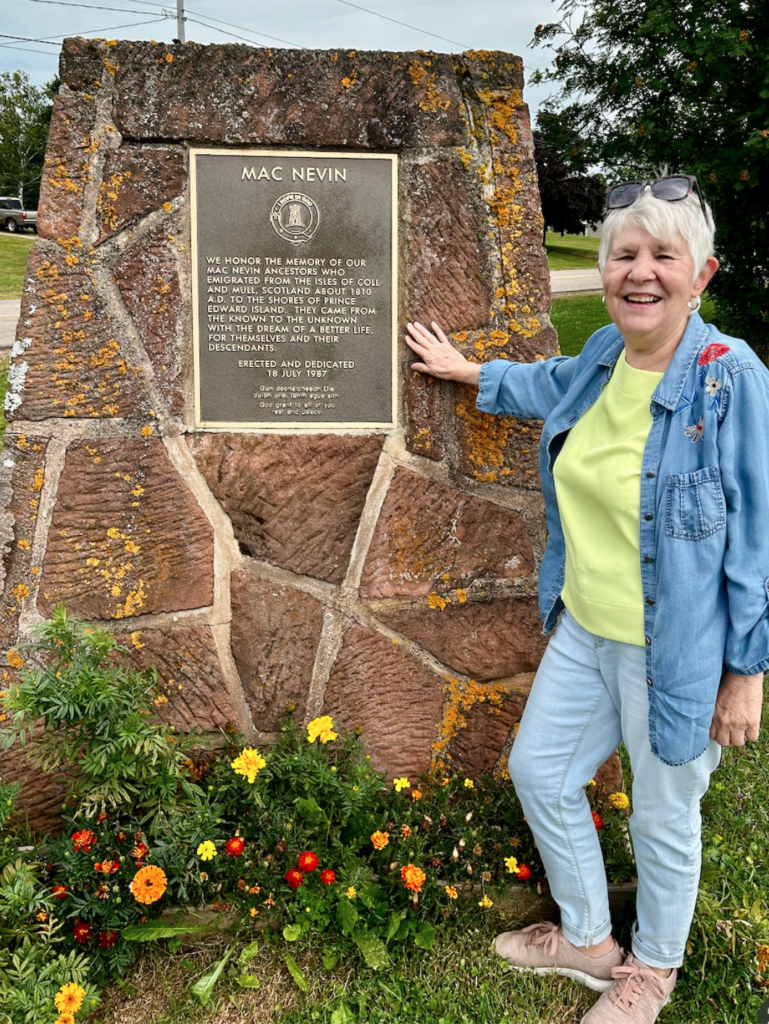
{"x":669,"y":190}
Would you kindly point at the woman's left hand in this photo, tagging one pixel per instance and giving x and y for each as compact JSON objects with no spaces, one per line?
{"x":737,"y":717}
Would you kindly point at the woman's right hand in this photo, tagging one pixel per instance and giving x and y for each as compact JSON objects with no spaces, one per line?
{"x":438,"y":356}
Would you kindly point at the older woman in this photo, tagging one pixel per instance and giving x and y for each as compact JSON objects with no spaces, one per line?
{"x":654,"y":585}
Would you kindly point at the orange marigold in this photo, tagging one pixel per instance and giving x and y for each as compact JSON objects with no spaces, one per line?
{"x":413,"y":877}
{"x":149,"y":884}
{"x":380,"y":840}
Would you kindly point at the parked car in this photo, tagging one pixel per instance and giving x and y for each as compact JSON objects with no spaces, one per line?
{"x":13,"y":216}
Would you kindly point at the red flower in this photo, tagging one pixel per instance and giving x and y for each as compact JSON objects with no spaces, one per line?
{"x":59,"y":892}
{"x":102,"y":816}
{"x":597,"y":820}
{"x":327,"y":876}
{"x":307,"y":861}
{"x":234,"y":847}
{"x":83,"y":840}
{"x":82,"y":931}
{"x":140,"y":851}
{"x":524,"y":872}
{"x":294,"y":877}
{"x":108,"y":938}
{"x":107,"y":867}
{"x":711,"y":353}
{"x":120,"y":836}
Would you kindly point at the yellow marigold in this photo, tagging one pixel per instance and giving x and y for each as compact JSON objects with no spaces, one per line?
{"x":248,"y":764}
{"x":451,"y":892}
{"x":511,"y":864}
{"x":65,"y":1018}
{"x":149,"y":883}
{"x":351,"y":893}
{"x":413,"y":877}
{"x":206,"y":850}
{"x":401,"y":783}
{"x":321,"y":729}
{"x":380,"y":840}
{"x":69,"y":998}
{"x":469,"y":784}
{"x":485,"y":902}
{"x":619,"y":800}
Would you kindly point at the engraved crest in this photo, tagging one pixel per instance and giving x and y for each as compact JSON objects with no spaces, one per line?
{"x":295,"y":217}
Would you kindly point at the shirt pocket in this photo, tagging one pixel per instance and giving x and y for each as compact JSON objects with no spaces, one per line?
{"x":694,"y":504}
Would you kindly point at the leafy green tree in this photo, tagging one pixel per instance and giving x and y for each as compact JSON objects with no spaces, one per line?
{"x":681,"y":85}
{"x":571,"y":198}
{"x":25,"y":114}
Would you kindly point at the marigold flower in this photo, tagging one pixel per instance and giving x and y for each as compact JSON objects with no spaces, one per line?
{"x":619,"y":801}
{"x":597,"y":820}
{"x":307,"y":861}
{"x":327,"y":876}
{"x":149,"y":884}
{"x":351,"y":893}
{"x":82,"y":931}
{"x":321,"y":729}
{"x":380,"y":840}
{"x":416,"y":794}
{"x":107,"y":867}
{"x":248,"y":764}
{"x":59,"y":892}
{"x":469,"y":784}
{"x":512,"y":865}
{"x":255,"y":888}
{"x":107,"y":938}
{"x":485,"y":902}
{"x":405,"y":831}
{"x":234,"y":847}
{"x":140,"y":852}
{"x":253,"y":911}
{"x":83,"y":840}
{"x":451,"y":892}
{"x":206,"y":850}
{"x":413,"y":877}
{"x":101,"y":817}
{"x":401,"y":783}
{"x":102,"y":891}
{"x":65,"y":1018}
{"x":524,"y":872}
{"x":294,"y":877}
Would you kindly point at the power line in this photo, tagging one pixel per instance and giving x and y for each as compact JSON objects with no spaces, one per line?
{"x":64,"y":35}
{"x":90,"y":7}
{"x":242,"y":29}
{"x":232,"y":35}
{"x":405,"y":24}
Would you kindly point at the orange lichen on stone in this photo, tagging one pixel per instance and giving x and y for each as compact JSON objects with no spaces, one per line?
{"x":436,"y":601}
{"x":434,"y":99}
{"x":108,"y":197}
{"x":487,"y":437}
{"x":460,"y":698}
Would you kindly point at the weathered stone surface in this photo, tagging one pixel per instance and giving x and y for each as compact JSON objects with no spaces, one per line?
{"x":293,"y":501}
{"x":496,"y":449}
{"x":126,"y":538}
{"x":424,"y":419}
{"x":448,"y":270}
{"x":84,"y":62}
{"x":23,"y":477}
{"x":298,"y":97}
{"x":67,"y":165}
{"x":492,"y":69}
{"x":192,"y":689}
{"x":69,"y":361}
{"x":485,"y":640}
{"x":395,"y":700}
{"x":609,"y":775}
{"x":41,"y":797}
{"x":148,"y":277}
{"x":136,"y":181}
{"x":275,"y":634}
{"x":435,"y":538}
{"x":478,"y":745}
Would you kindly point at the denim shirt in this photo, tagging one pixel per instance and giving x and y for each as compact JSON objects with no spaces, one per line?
{"x":704,"y":526}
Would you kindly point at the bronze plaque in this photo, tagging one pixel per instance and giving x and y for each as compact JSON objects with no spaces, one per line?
{"x":294,"y":288}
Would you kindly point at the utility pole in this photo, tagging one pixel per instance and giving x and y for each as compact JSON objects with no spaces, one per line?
{"x":180,"y":21}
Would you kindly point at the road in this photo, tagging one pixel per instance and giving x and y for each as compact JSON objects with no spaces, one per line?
{"x":561,"y":281}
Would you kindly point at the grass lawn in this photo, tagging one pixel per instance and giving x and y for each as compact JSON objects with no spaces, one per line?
{"x":571,"y":252}
{"x":14,"y":250}
{"x":460,"y":982}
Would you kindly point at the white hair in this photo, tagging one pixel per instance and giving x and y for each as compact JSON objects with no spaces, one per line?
{"x":666,"y":221}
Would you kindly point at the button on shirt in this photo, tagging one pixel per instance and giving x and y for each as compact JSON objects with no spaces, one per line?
{"x":704,"y":495}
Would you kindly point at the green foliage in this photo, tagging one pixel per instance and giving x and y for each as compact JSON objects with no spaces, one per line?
{"x":98,"y":727}
{"x":25,"y":113}
{"x":657,"y":83}
{"x":570,"y":196}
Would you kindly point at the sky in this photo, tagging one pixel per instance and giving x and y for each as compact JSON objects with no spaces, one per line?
{"x":317,"y":24}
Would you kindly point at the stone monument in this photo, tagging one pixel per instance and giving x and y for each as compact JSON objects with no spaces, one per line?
{"x":216,"y":445}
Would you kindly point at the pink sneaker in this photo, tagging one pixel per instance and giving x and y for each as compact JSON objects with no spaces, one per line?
{"x":636,"y":997}
{"x":542,"y":949}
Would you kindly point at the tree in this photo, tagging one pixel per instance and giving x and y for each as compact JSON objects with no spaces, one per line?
{"x":681,"y":85}
{"x":25,"y":113}
{"x":570,"y":197}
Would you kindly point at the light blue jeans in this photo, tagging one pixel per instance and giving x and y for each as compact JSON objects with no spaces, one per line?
{"x":590,"y":695}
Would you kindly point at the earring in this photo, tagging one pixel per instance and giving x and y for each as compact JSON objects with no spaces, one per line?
{"x":694,"y":303}
{"x":603,"y":299}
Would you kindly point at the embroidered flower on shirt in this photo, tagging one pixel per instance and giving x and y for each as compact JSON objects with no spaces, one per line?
{"x":713,"y":387}
{"x":694,"y":431}
{"x":686,"y":403}
{"x":711,"y":353}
